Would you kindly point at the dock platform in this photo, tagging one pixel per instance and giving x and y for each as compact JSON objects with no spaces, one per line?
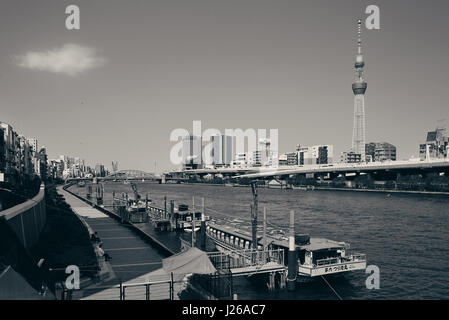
{"x":133,"y":260}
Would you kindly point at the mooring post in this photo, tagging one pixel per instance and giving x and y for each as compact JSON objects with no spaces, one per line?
{"x":292,"y":258}
{"x":122,"y":295}
{"x":264,"y":240}
{"x":172,"y":213}
{"x":203,"y":226}
{"x":172,"y":287}
{"x":254,"y":214}
{"x":96,"y":193}
{"x":89,"y":191}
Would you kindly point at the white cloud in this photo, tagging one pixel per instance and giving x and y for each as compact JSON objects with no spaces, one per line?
{"x":70,"y":59}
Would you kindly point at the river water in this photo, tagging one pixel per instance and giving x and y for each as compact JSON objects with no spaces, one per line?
{"x":406,"y":236}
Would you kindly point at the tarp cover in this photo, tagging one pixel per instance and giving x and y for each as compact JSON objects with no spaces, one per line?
{"x":191,"y":261}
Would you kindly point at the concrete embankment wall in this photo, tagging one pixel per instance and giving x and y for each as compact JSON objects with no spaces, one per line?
{"x":27,"y":219}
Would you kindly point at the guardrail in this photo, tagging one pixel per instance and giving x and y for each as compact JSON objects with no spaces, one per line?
{"x":28,"y":218}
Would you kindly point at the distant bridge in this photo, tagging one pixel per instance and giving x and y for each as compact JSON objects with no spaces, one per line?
{"x":131,"y":174}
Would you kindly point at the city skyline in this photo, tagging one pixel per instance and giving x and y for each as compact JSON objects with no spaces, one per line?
{"x":288,"y":66}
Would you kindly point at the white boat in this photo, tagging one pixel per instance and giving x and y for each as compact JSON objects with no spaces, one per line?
{"x":316,"y":256}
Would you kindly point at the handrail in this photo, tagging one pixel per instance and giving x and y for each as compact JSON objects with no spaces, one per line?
{"x":142,"y":283}
{"x":18,"y":209}
{"x":335,"y":260}
{"x":326,"y":261}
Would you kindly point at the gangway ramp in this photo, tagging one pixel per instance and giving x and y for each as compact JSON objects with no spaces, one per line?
{"x":249,"y":261}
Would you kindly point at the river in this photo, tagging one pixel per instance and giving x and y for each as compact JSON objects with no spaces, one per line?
{"x":406,"y":236}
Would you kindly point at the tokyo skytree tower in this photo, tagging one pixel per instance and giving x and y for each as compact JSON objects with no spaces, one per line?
{"x":359,"y":87}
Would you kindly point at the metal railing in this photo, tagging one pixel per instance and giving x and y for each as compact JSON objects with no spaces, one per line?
{"x":150,"y":290}
{"x":327,"y":261}
{"x":335,"y":260}
{"x":245,"y":258}
{"x":358,"y":257}
{"x":136,"y":290}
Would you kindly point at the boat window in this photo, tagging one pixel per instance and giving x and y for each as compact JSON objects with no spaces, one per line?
{"x":324,"y":254}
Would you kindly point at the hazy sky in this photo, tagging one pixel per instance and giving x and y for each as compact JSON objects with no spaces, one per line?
{"x":144,"y":68}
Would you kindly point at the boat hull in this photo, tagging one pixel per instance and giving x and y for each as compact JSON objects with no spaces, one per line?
{"x":331,"y":269}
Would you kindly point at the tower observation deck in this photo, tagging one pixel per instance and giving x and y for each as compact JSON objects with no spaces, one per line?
{"x":359,"y":88}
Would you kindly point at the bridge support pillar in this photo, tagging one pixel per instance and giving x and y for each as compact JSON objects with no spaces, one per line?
{"x":271,"y":281}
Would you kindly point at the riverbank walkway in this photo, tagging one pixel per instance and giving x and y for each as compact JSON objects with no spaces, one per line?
{"x":133,"y":261}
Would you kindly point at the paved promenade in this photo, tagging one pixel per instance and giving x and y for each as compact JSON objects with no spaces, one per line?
{"x":133,"y":259}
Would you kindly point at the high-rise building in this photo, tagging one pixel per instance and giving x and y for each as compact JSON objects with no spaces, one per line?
{"x":359,"y":88}
{"x":221,"y":150}
{"x":385,"y":151}
{"x":350,"y":157}
{"x":321,"y":154}
{"x":380,"y":151}
{"x":192,"y":152}
{"x":42,"y":167}
{"x":99,"y":170}
{"x":9,"y":148}
{"x":240,"y":160}
{"x":33,"y":144}
{"x":25,"y":157}
{"x":292,"y":158}
{"x":283,"y":159}
{"x":436,"y":146}
{"x":263,"y":156}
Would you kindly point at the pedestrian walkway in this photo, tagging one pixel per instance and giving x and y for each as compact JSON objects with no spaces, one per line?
{"x":132,"y":259}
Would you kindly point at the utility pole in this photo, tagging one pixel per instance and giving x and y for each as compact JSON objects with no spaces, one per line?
{"x":203,"y":226}
{"x":165,"y":207}
{"x":193,"y":222}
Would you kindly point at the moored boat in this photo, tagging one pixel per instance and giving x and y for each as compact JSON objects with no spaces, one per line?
{"x":316,"y":256}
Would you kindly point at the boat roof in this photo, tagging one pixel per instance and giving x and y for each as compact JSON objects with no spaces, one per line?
{"x":234,"y":231}
{"x":314,"y":244}
{"x":322,"y":243}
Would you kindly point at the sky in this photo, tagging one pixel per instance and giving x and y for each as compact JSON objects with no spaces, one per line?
{"x":138,"y":69}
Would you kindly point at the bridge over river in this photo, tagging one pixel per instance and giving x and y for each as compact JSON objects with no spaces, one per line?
{"x":381,"y":170}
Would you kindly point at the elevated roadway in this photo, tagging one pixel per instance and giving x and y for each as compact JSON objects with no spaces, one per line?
{"x":404,"y":167}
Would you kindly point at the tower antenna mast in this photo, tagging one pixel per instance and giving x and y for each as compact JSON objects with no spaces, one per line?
{"x":359,"y":88}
